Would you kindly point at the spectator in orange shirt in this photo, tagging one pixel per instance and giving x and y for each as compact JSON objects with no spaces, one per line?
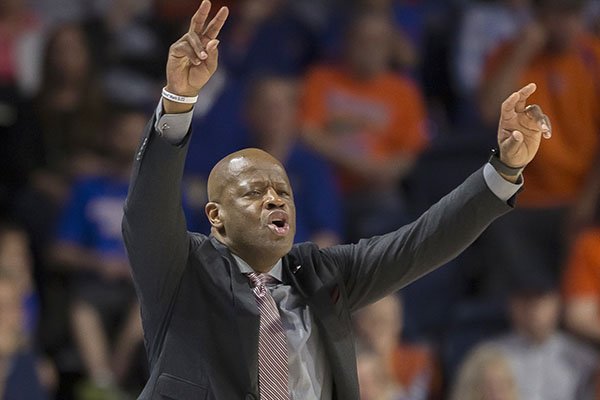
{"x":581,"y":286}
{"x":564,"y":61}
{"x":367,"y":121}
{"x":555,"y":52}
{"x":581,"y":282}
{"x":409,"y":367}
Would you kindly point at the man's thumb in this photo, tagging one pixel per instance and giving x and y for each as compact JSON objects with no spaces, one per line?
{"x":213,"y":54}
{"x":511,"y":144}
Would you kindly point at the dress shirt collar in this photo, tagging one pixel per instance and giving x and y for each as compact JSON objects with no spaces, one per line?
{"x":275,"y":271}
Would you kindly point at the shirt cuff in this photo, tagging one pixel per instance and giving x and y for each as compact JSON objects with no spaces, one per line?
{"x":502,"y":188}
{"x":173,"y":127}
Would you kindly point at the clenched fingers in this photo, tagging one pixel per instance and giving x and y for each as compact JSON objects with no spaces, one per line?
{"x":524,"y":94}
{"x":211,"y":48}
{"x":184,"y":48}
{"x":535,"y":114}
{"x":194,"y":41}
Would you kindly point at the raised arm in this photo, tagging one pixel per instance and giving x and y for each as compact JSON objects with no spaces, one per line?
{"x":154,"y":225}
{"x":375,"y":267}
{"x":193,"y":59}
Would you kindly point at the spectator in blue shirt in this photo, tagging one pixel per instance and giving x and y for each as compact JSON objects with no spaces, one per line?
{"x":89,"y":244}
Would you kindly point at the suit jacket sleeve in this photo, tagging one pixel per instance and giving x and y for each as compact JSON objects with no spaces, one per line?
{"x":154,"y":227}
{"x":375,"y":267}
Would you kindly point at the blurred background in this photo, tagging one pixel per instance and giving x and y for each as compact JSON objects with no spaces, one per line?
{"x":377,"y":108}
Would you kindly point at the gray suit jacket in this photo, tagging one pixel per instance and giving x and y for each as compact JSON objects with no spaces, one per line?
{"x":199,"y":314}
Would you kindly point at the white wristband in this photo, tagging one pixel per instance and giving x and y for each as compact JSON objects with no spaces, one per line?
{"x":177,"y":98}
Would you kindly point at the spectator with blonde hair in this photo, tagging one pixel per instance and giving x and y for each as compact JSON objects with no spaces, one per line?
{"x":485,"y":375}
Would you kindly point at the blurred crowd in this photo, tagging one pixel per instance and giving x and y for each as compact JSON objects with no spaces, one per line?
{"x":377,"y":108}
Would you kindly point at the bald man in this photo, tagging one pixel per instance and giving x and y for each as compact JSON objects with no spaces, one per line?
{"x":244,"y":313}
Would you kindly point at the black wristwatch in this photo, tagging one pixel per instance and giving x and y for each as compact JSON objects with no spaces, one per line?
{"x":501,"y":167}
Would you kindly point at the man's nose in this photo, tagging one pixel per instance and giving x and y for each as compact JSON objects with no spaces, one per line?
{"x":273,"y":200}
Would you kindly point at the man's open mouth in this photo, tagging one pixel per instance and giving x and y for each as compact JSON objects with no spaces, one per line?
{"x":278,"y":223}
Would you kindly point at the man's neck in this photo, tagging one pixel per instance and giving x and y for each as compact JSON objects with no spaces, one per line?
{"x":274,"y":271}
{"x":261,"y":266}
{"x":259,"y":262}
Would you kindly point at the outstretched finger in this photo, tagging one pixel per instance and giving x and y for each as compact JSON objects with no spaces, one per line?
{"x":215,"y":25}
{"x":524,"y":94}
{"x":199,"y":18}
{"x":508,"y":106}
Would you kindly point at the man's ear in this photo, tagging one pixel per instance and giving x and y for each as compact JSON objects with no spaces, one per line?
{"x":213,"y":213}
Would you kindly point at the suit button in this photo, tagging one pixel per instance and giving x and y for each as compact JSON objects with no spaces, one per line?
{"x":250,"y":396}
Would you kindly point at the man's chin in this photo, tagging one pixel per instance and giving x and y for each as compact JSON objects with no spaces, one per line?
{"x":279,"y":245}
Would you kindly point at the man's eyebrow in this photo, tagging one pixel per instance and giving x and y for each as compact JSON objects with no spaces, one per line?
{"x":245,"y":184}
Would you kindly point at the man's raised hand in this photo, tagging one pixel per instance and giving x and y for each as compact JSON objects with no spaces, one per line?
{"x":521,"y":128}
{"x":194,"y":57}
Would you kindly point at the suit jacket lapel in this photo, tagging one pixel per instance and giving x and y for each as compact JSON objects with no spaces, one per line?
{"x":246,"y":310}
{"x":326,"y":305}
{"x":317,"y":294}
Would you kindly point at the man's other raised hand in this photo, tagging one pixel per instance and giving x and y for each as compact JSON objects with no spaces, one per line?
{"x":193,"y":59}
{"x":521,"y":128}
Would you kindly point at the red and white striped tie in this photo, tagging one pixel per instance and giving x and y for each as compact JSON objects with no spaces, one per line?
{"x":272,"y":345}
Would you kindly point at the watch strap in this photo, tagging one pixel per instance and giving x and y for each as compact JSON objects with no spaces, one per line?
{"x":501,"y":167}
